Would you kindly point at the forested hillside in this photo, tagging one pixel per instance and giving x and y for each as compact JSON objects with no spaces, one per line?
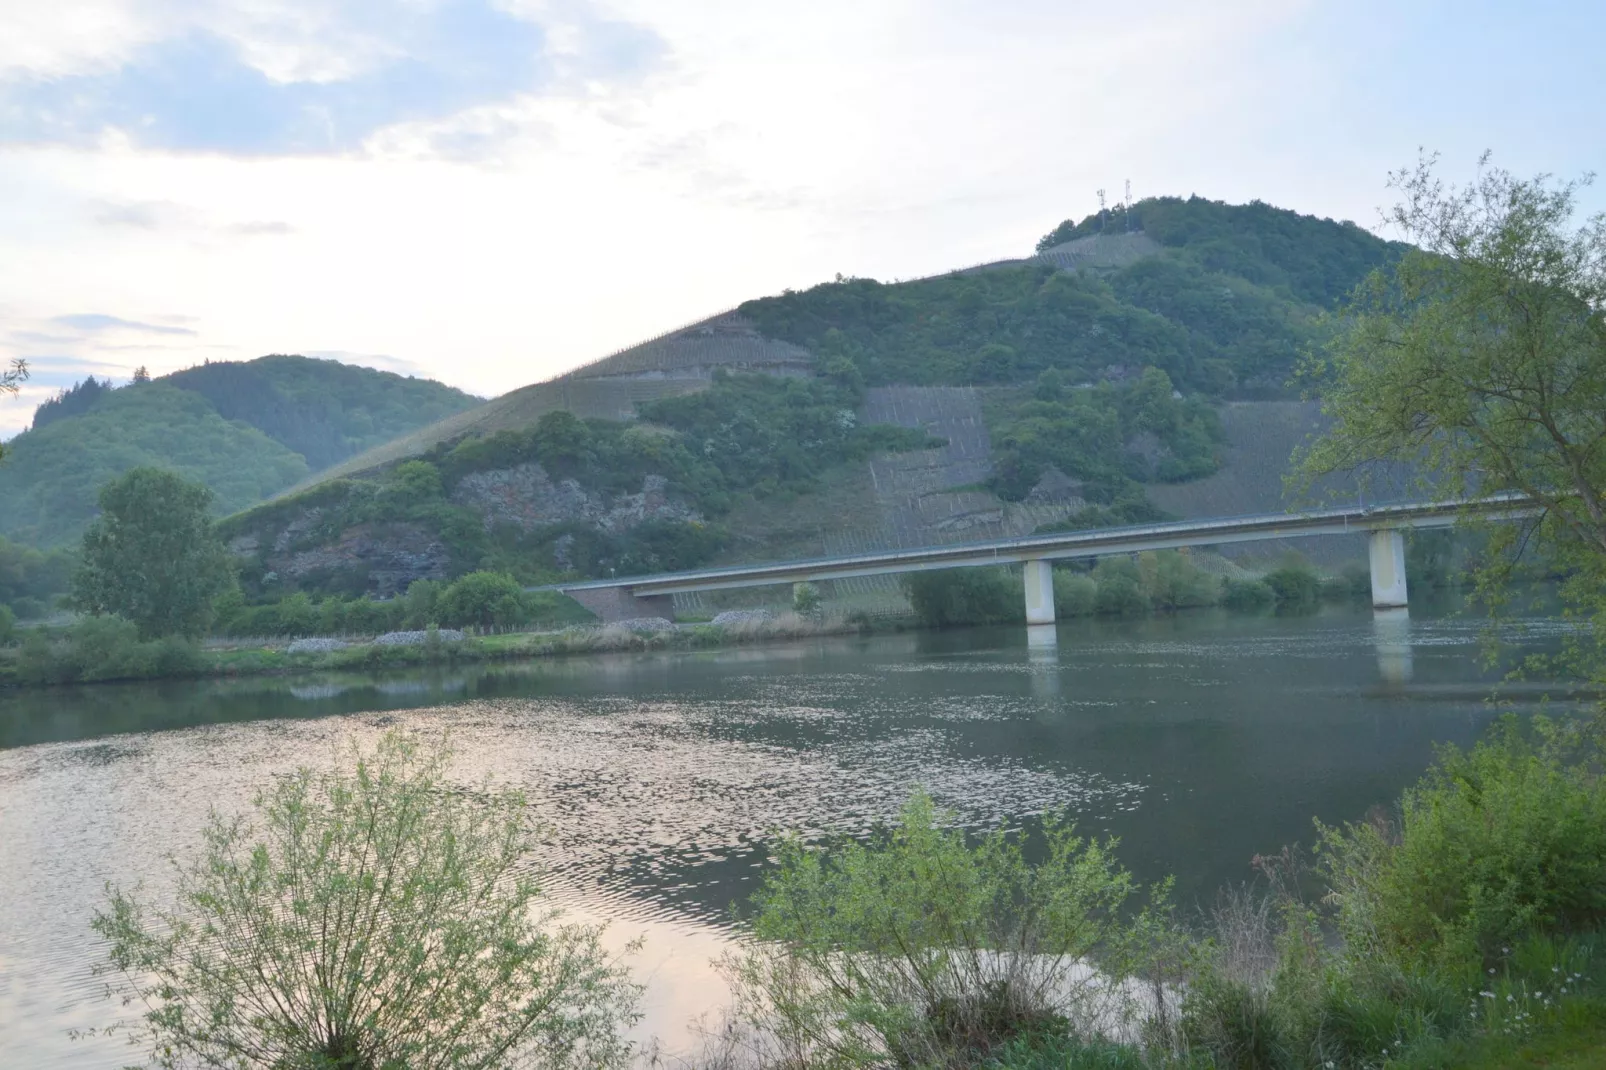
{"x":566,"y":495}
{"x":1224,"y":308}
{"x":247,"y":430}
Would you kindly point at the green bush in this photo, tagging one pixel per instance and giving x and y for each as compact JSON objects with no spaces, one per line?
{"x":8,"y":625}
{"x":1170,"y":580}
{"x":104,"y":648}
{"x":918,"y":949}
{"x":1075,"y":594}
{"x":1295,"y":585}
{"x":1352,"y":584}
{"x":961,"y":596}
{"x":1503,"y":841}
{"x":481,"y":600}
{"x":1243,"y":595}
{"x":1120,"y":587}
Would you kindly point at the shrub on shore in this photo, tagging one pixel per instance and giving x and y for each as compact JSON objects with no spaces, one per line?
{"x":920,"y":949}
{"x":366,"y":918}
{"x":103,"y":648}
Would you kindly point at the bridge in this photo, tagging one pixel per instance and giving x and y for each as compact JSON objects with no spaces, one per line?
{"x":1383,"y":525}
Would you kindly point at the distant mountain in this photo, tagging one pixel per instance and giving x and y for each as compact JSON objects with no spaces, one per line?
{"x":246,"y":429}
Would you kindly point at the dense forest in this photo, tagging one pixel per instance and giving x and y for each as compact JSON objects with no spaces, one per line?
{"x":247,"y":430}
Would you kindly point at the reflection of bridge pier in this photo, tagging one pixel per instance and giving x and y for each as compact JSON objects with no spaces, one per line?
{"x":1391,"y":635}
{"x":1042,"y":653}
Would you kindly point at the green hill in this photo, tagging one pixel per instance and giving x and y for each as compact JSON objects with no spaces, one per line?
{"x":1090,"y":373}
{"x":246,"y":429}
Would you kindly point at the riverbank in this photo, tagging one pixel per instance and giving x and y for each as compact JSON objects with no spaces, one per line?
{"x":42,"y":663}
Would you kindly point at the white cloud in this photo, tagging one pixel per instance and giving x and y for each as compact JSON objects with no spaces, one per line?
{"x":768,"y":147}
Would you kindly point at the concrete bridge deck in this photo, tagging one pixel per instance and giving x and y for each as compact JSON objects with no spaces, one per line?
{"x":622,"y":598}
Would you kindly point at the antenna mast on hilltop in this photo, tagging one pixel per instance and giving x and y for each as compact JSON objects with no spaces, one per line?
{"x":1101,"y":211}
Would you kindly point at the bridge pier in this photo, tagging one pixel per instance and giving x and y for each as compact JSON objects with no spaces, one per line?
{"x":1039,"y":592}
{"x":1387,"y":553}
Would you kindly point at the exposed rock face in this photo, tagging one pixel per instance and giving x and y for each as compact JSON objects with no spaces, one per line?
{"x":527,"y":498}
{"x":392,"y":556}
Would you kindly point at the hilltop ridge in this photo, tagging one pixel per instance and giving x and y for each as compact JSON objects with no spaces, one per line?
{"x":1060,"y":387}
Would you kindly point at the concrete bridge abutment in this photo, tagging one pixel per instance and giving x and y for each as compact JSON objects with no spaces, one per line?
{"x":614,"y":604}
{"x":1387,"y":557}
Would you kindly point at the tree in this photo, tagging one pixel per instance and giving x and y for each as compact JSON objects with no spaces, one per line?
{"x":141,"y":374}
{"x":152,"y":556}
{"x":1481,"y":359}
{"x":483,"y":599}
{"x":10,"y":379}
{"x":366,"y":920}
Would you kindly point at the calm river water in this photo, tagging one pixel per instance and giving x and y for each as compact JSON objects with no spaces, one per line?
{"x":1199,"y":740}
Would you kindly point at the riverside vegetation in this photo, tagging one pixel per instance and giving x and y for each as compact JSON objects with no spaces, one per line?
{"x":1463,"y":927}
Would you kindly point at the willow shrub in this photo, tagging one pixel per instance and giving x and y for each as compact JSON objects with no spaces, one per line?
{"x":1496,"y":843}
{"x":367,"y":919}
{"x":919,"y":949}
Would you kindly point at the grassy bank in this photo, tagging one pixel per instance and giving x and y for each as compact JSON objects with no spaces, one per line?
{"x":104,"y":650}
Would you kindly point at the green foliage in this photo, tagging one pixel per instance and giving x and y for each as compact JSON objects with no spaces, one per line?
{"x":246,"y":430}
{"x":918,"y":949}
{"x":49,"y":484}
{"x":481,"y":600}
{"x":1107,"y":437}
{"x":1295,"y":585}
{"x":806,"y":599}
{"x":1246,"y":595}
{"x":26,"y":573}
{"x":962,"y":596}
{"x":71,"y":401}
{"x":419,"y":605}
{"x":322,"y":409}
{"x":770,"y":435}
{"x":104,"y":648}
{"x":365,"y":918}
{"x":152,"y":556}
{"x":1315,"y":260}
{"x":1120,"y":587}
{"x":1171,"y":581}
{"x":1075,"y":594}
{"x":8,"y":625}
{"x":747,"y":434}
{"x":1480,"y":358}
{"x":1229,"y":305}
{"x":1495,"y":844}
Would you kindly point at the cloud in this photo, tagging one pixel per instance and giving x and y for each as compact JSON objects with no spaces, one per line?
{"x":168,"y":217}
{"x":315,"y":81}
{"x":383,"y":362}
{"x":260,"y":227}
{"x":99,"y":321}
{"x":141,"y":215}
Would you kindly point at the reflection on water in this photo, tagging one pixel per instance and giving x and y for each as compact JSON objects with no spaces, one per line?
{"x":1391,"y":630}
{"x":1199,"y":740}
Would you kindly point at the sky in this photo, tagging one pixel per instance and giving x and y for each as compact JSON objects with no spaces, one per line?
{"x":491,"y":192}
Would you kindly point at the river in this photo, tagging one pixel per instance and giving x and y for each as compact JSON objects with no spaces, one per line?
{"x":1199,"y":740}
